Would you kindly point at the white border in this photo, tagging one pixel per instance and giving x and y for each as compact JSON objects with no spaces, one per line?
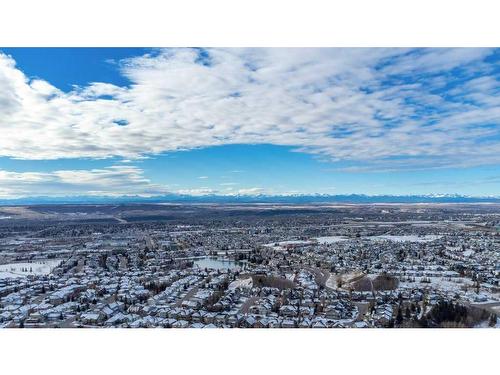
{"x":260,"y":23}
{"x":253,"y":351}
{"x":251,"y":23}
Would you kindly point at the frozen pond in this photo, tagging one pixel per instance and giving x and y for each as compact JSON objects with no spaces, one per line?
{"x":218,"y":263}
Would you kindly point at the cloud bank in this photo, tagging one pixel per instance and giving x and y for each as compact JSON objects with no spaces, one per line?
{"x":393,"y":108}
{"x":111,"y":181}
{"x":114,"y":181}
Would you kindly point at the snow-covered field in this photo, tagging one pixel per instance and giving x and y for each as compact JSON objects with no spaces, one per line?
{"x":346,"y":279}
{"x":496,"y":309}
{"x":9,"y":275}
{"x":408,"y":238}
{"x":41,"y":267}
{"x":330,"y":239}
{"x":332,"y":282}
{"x":282,"y":244}
{"x":439,"y":283}
{"x":241,"y":283}
{"x":468,"y":253}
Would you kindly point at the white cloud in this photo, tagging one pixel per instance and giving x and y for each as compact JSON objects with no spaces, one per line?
{"x":114,"y":180}
{"x":197,"y":191}
{"x":359,"y":105}
{"x":229,"y":191}
{"x":252,"y":191}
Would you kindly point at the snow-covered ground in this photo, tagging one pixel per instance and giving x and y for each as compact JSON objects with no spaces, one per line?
{"x":282,"y":244}
{"x":439,"y":283}
{"x":497,"y":309}
{"x":9,"y":275}
{"x":41,"y":267}
{"x":485,"y":324}
{"x":332,"y":282}
{"x":330,"y":239}
{"x":408,"y":238}
{"x":241,"y":283}
{"x":346,"y":279}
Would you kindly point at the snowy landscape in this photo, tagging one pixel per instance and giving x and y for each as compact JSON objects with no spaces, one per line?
{"x":393,"y":266}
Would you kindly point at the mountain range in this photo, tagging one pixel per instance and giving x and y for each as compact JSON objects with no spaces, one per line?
{"x":292,"y":199}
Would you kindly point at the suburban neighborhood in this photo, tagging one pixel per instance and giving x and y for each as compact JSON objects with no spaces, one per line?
{"x":396,"y":266}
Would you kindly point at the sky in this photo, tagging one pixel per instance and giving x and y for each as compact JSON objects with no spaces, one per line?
{"x":277,"y":121}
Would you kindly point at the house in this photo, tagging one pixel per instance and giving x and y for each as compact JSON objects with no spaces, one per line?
{"x":232,"y":320}
{"x":261,"y":323}
{"x":305,"y":323}
{"x":180,"y":324}
{"x":361,"y":324}
{"x":288,"y":311}
{"x":336,"y":311}
{"x":248,"y":322}
{"x":318,"y":324}
{"x":94,"y":318}
{"x":288,"y":323}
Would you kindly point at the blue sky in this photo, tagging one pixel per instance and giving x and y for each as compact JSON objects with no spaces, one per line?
{"x":119,"y":121}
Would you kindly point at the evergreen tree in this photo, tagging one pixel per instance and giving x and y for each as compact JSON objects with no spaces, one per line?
{"x":493,"y":320}
{"x":407,"y":313}
{"x":399,"y":317}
